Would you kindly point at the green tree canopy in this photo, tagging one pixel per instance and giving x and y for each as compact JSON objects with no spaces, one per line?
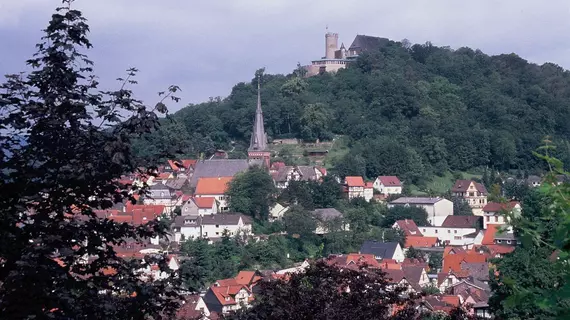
{"x":252,"y":193}
{"x":299,"y":221}
{"x":419,"y":215}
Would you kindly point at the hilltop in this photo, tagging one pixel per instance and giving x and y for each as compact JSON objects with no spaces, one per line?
{"x":413,"y":111}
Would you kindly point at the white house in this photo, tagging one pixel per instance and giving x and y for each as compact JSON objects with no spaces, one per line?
{"x":200,"y":206}
{"x":186,"y":227}
{"x":214,"y":188}
{"x":277,"y":212}
{"x":368,"y":191}
{"x":494,"y":212}
{"x":159,"y":194}
{"x":451,"y":236}
{"x":437,"y":208}
{"x":285,"y":174}
{"x":388,"y":185}
{"x":213,"y":226}
{"x":354,"y":187}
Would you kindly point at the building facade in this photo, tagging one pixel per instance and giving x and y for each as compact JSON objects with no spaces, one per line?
{"x":474,"y":193}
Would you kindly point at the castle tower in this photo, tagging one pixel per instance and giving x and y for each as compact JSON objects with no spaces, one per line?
{"x":258,"y":153}
{"x":331,"y":43}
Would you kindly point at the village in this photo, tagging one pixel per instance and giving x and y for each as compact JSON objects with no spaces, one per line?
{"x":448,"y":259}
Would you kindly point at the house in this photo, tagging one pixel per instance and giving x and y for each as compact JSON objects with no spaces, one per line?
{"x":477,"y":297}
{"x":388,"y":185}
{"x":474,"y":193}
{"x":284,"y":174}
{"x":160,"y":194}
{"x":354,"y":187}
{"x":193,"y":307}
{"x":452,"y":262}
{"x":199,"y":206}
{"x":495,"y":212}
{"x":438,"y":209}
{"x":186,"y":227}
{"x":408,"y":226}
{"x":416,"y":276}
{"x":214,"y":188}
{"x":499,"y":235}
{"x":178,"y":184}
{"x":217,"y":168}
{"x":329,"y":218}
{"x":383,"y":250}
{"x":353,"y":260}
{"x":534,"y":181}
{"x":277,"y":212}
{"x":210,"y":226}
{"x":213,"y":226}
{"x":224,"y":299}
{"x":368,"y":191}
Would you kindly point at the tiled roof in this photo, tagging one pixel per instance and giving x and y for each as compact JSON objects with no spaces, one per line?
{"x":358,"y":259}
{"x":451,"y":300}
{"x":413,"y":273}
{"x":409,"y":227}
{"x":489,"y":236}
{"x":420,"y":242}
{"x":353,"y":181}
{"x":453,"y":261}
{"x":498,"y":207}
{"x":394,"y":276}
{"x":369,"y":185}
{"x":462,"y":222}
{"x":204,"y":202}
{"x":390,"y":181}
{"x":224,"y":219}
{"x":188,"y":309}
{"x":452,"y":250}
{"x":212,"y":186}
{"x":379,"y":249}
{"x":463,"y":186}
{"x":245,"y":277}
{"x":217,"y":168}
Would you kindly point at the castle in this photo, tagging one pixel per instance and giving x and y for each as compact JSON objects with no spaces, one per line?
{"x":337,"y":58}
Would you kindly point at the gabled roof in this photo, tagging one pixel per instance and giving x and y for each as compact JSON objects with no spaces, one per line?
{"x":453,"y":250}
{"x":217,"y":168}
{"x":188,"y":309}
{"x":463,"y":186}
{"x":379,"y":249}
{"x":462,"y":222}
{"x":413,"y":274}
{"x":212,"y":186}
{"x":420,"y":242}
{"x":353,"y":181}
{"x":489,"y":237}
{"x":498,"y":207}
{"x":364,"y":43}
{"x":204,"y":202}
{"x":390,"y":181}
{"x":394,"y":276}
{"x":224,"y":219}
{"x":478,"y":270}
{"x":453,"y":261}
{"x":369,"y":185}
{"x":246,"y":277}
{"x":409,"y":227}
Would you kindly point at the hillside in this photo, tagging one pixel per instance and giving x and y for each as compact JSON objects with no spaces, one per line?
{"x":414,"y":112}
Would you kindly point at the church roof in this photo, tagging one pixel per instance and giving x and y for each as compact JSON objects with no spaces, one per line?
{"x":367,"y":43}
{"x":258,"y":137}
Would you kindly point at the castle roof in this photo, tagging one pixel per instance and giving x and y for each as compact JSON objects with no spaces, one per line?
{"x":367,"y":43}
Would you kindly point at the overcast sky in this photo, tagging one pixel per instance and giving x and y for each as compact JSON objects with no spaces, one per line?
{"x":207,"y":46}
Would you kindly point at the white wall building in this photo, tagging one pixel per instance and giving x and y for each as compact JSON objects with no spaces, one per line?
{"x":388,"y":185}
{"x":453,"y":236}
{"x":437,"y":208}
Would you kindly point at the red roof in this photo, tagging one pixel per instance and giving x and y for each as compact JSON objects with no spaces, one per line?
{"x":497,"y":249}
{"x":356,"y":258}
{"x":452,"y":300}
{"x":189,"y":163}
{"x":277,"y":165}
{"x":222,"y":292}
{"x":461,"y":222}
{"x":463,"y":186}
{"x":215,"y":186}
{"x":498,"y":207}
{"x":245,"y":277}
{"x":204,"y":202}
{"x":354,"y":181}
{"x":453,"y":261}
{"x":489,"y":236}
{"x":409,"y":227}
{"x":453,"y":250}
{"x":390,"y":181}
{"x":369,"y":185}
{"x":420,"y":242}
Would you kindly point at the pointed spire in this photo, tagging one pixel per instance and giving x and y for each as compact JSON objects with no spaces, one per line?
{"x":258,"y":137}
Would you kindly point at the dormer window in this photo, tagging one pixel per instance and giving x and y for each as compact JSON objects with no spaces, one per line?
{"x":227,"y":298}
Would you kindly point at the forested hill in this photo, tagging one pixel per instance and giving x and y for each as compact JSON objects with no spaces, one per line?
{"x":411,"y":111}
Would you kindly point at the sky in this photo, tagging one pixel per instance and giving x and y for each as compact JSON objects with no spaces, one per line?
{"x":207,"y":46}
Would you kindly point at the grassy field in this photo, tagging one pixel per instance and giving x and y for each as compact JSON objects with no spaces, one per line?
{"x":338,"y":150}
{"x":440,"y":185}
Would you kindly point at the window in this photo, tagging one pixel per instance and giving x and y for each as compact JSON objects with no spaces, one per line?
{"x":448,"y":231}
{"x":217,"y":233}
{"x":457,"y":238}
{"x":435,"y":230}
{"x":471,"y":194}
{"x":217,"y":226}
{"x":499,"y":241}
{"x":496,"y":219}
{"x":424,"y":230}
{"x":455,"y":231}
{"x":487,"y":218}
{"x":449,"y":281}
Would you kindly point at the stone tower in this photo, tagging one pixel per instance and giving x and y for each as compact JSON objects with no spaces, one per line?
{"x":331,"y":42}
{"x":258,"y":153}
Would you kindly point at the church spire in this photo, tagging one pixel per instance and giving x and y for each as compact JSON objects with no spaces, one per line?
{"x":258,"y":137}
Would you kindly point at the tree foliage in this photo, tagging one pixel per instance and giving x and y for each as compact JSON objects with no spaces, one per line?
{"x":418,"y":214}
{"x":251,"y":193}
{"x":63,"y":144}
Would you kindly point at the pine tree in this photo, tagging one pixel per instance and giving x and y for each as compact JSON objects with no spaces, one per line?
{"x":63,"y":144}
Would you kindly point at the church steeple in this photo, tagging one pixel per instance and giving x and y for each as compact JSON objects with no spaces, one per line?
{"x":257,"y":153}
{"x":258,"y":137}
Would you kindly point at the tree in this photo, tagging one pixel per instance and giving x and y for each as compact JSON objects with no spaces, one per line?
{"x":299,"y":221}
{"x":252,"y":193}
{"x":329,"y":293}
{"x":226,"y":253}
{"x":414,"y":253}
{"x":196,"y":272}
{"x":325,"y":193}
{"x":63,"y":145}
{"x":419,"y":215}
{"x":461,"y":207}
{"x":435,"y":261}
{"x":315,"y":122}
